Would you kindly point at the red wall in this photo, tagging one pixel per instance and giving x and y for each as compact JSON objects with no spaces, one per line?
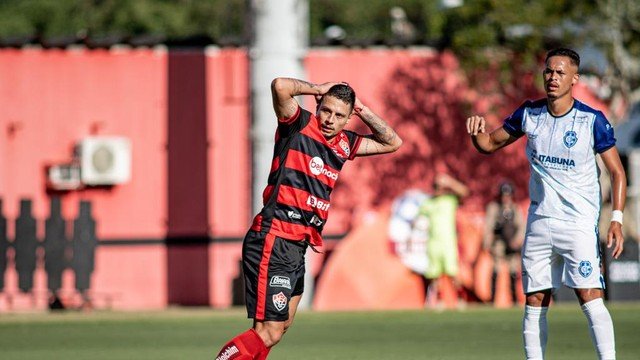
{"x":50,"y":99}
{"x":53,"y":98}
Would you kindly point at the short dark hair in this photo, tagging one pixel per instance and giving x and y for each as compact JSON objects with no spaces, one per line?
{"x":506,"y":188}
{"x":575,"y":58}
{"x":343,"y":92}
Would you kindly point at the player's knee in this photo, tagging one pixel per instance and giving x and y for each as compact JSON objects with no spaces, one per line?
{"x":586,"y":295}
{"x":273,"y":336}
{"x":271,"y":333}
{"x":538,"y":299}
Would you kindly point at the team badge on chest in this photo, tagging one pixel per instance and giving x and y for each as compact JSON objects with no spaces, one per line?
{"x":570,"y":138}
{"x":585,"y":269}
{"x":279,"y":301}
{"x":344,"y":145}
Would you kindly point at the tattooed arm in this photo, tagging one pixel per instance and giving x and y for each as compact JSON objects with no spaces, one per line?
{"x":283,"y":91}
{"x":383,"y":138}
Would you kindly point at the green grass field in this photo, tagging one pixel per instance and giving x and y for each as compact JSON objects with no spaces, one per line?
{"x":476,"y":333}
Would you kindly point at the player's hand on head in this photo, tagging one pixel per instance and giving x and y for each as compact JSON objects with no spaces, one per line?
{"x":324,"y":88}
{"x":357,"y":105}
{"x":615,"y":239}
{"x":475,"y":125}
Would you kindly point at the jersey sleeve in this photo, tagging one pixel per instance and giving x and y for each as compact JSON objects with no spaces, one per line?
{"x":295,"y":123}
{"x":603,"y":138}
{"x":354,"y":143}
{"x":513,"y":124}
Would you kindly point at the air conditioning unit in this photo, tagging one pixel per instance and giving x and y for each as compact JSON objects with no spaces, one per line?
{"x":63,"y":177}
{"x":104,"y":160}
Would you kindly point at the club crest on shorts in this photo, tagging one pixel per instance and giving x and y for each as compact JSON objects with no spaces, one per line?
{"x":570,"y":138}
{"x":585,"y":269}
{"x":279,"y":301}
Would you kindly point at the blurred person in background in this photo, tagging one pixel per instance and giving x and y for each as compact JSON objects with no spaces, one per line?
{"x":503,"y":236}
{"x":561,"y":244}
{"x":442,"y":244}
{"x":408,"y":232}
{"x":309,"y":152}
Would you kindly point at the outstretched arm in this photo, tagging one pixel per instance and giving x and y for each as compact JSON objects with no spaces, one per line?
{"x":612,"y":162}
{"x":487,"y":143}
{"x":383,"y":138}
{"x":455,"y":186}
{"x":283,"y":91}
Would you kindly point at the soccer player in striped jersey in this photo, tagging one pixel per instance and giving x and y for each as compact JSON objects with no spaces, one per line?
{"x":309,"y":152}
{"x":561,"y":243}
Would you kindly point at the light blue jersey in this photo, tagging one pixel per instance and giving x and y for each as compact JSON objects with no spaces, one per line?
{"x":561,"y":151}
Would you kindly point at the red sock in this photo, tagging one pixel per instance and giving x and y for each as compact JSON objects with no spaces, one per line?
{"x":263,"y":354}
{"x":245,"y":346}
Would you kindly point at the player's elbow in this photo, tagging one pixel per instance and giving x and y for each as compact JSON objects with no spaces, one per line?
{"x":396,"y":144}
{"x":278,"y":85}
{"x":484,"y":149}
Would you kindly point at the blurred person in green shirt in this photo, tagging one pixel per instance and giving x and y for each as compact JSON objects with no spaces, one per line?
{"x":442,"y":247}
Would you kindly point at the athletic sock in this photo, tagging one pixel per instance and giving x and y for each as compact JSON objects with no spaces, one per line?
{"x":263,"y":355}
{"x":245,"y":346}
{"x":601,"y":328}
{"x":534,"y":332}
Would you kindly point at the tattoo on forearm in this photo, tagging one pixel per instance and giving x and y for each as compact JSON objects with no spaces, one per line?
{"x":298,"y":85}
{"x":381,"y":131}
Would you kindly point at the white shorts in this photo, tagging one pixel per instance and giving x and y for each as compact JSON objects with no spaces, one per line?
{"x":560,"y":251}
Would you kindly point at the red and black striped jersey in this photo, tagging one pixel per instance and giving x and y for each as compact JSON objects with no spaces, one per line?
{"x":303,"y":173}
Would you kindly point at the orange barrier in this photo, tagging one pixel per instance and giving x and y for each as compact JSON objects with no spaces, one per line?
{"x":362,"y":274}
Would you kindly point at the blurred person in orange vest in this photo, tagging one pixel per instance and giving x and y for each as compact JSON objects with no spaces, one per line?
{"x":503,"y":236}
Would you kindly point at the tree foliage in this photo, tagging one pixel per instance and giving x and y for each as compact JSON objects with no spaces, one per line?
{"x":170,"y":18}
{"x":484,"y":34}
{"x":619,"y":36}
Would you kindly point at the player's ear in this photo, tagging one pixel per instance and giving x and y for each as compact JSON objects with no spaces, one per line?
{"x":575,"y":79}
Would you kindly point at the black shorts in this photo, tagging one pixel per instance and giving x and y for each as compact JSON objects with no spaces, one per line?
{"x":273,"y":273}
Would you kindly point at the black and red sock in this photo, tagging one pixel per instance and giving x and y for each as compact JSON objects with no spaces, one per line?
{"x":246,"y":346}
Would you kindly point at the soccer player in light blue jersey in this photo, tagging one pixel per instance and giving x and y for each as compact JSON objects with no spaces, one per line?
{"x":561,"y":243}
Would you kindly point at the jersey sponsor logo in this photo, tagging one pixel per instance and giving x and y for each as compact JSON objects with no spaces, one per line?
{"x":318,"y":204}
{"x":585,"y":269}
{"x":316,"y":166}
{"x":228,"y":353}
{"x":280,"y":281}
{"x":570,"y":138}
{"x":294,"y":215}
{"x":553,"y":161}
{"x":582,"y":119}
{"x":279,"y":301}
